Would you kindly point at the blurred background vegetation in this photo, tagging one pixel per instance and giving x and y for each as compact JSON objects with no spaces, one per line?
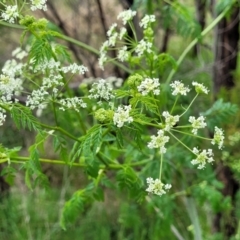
{"x":213,"y":201}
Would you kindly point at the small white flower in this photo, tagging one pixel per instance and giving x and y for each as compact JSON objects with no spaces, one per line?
{"x":197,"y":123}
{"x":147,"y":20}
{"x":104,"y":48}
{"x":39,"y":4}
{"x":170,"y":120}
{"x":112,"y":40}
{"x":122,"y":33}
{"x":101,"y":90}
{"x":74,"y":68}
{"x":10,"y":14}
{"x":159,"y":141}
{"x":142,"y":47}
{"x":200,"y":88}
{"x":202,"y":157}
{"x":122,"y":115}
{"x":38,"y":99}
{"x":123,"y":54}
{"x":157,"y":187}
{"x":218,"y":137}
{"x":179,"y":88}
{"x":102,"y":59}
{"x":72,"y":103}
{"x":9,"y":86}
{"x":149,"y":85}
{"x":126,"y":15}
{"x":19,"y":53}
{"x":112,"y":30}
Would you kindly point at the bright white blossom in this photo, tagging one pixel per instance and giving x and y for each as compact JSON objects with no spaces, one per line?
{"x":10,"y":14}
{"x":159,"y":141}
{"x":38,"y":99}
{"x":142,"y":47}
{"x":197,"y":123}
{"x":112,"y":30}
{"x":126,"y":15}
{"x":202,"y":157}
{"x":200,"y":88}
{"x":102,"y":60}
{"x":122,"y":33}
{"x":147,"y":20}
{"x":104,"y":48}
{"x":74,"y":68}
{"x":149,"y":85}
{"x":38,"y":4}
{"x":170,"y":120}
{"x":122,"y":115}
{"x":179,"y":88}
{"x":53,"y":80}
{"x":9,"y":86}
{"x":74,"y":103}
{"x":47,"y":64}
{"x":19,"y":53}
{"x":123,"y":54}
{"x":218,"y":137}
{"x":112,"y":40}
{"x":101,"y":90}
{"x":157,"y":187}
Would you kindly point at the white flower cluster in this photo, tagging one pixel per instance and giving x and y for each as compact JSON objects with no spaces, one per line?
{"x":10,"y":14}
{"x":123,"y":54}
{"x":126,"y":16}
{"x":170,"y":120}
{"x":159,"y":141}
{"x":38,"y":4}
{"x":202,"y":157}
{"x":179,"y":88}
{"x":142,"y":47}
{"x":115,"y":82}
{"x":197,"y":123}
{"x":10,"y":81}
{"x":157,"y":187}
{"x":72,"y":103}
{"x":19,"y":53}
{"x":200,"y":88}
{"x":147,"y":20}
{"x":74,"y":68}
{"x":218,"y":137}
{"x":122,"y":115}
{"x":101,"y":90}
{"x":38,"y":98}
{"x":149,"y":85}
{"x":47,"y":65}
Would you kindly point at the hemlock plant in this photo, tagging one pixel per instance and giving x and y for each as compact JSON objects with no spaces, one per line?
{"x":115,"y":107}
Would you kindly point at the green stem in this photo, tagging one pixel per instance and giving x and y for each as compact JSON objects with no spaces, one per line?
{"x":91,"y":49}
{"x":174,"y":104}
{"x":160,"y":171}
{"x":180,"y":142}
{"x":189,"y":105}
{"x":59,"y":129}
{"x":194,"y":42}
{"x":60,"y":162}
{"x":191,"y":134}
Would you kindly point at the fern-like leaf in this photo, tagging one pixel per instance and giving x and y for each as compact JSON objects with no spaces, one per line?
{"x":220,"y":113}
{"x":22,"y":116}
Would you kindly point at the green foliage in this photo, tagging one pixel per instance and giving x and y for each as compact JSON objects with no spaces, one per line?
{"x":220,"y":113}
{"x":74,"y":207}
{"x":23,"y":117}
{"x":118,"y":136}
